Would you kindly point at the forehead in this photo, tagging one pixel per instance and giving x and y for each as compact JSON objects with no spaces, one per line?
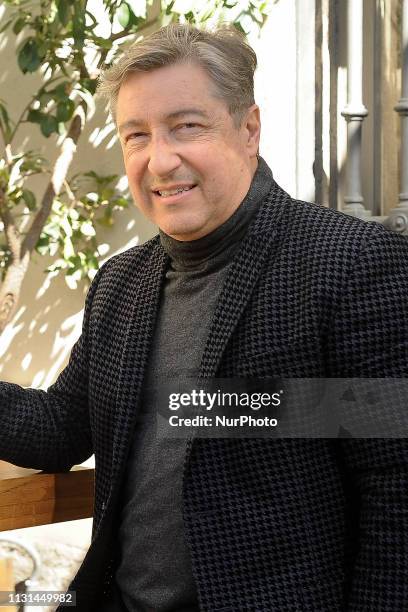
{"x":165,"y":91}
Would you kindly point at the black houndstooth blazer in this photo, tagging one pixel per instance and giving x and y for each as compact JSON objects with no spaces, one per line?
{"x":313,"y":525}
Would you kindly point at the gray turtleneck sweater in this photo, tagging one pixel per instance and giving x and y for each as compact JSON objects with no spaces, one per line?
{"x":154,"y":571}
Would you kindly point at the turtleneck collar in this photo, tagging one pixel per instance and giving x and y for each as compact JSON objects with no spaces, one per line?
{"x":193,"y":254}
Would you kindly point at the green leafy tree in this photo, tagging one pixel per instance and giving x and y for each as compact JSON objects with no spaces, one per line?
{"x":60,"y":43}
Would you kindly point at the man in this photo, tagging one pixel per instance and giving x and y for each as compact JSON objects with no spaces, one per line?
{"x":242,"y":281}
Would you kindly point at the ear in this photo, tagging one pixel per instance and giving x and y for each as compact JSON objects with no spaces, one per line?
{"x":252,"y":127}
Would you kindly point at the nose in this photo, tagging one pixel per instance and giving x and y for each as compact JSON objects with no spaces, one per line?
{"x":163,"y":157}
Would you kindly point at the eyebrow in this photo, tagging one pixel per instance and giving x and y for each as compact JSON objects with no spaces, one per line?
{"x":136,"y":123}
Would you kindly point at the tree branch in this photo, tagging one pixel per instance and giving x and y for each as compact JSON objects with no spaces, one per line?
{"x":123,"y":34}
{"x":58,"y":176}
{"x":11,"y":232}
{"x":29,"y":103}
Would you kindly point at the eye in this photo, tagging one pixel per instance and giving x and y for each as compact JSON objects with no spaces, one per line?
{"x":135,"y":136}
{"x":188,"y":126}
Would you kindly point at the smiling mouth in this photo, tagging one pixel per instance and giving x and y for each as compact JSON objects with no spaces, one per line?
{"x":165,"y":193}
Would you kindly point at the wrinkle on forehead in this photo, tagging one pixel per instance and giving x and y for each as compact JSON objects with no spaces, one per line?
{"x":170,"y":89}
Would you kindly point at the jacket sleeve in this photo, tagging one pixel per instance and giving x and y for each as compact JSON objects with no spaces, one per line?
{"x":371,"y":336}
{"x":50,"y":430}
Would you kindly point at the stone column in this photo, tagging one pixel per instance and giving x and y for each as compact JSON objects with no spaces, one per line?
{"x":355,"y":111}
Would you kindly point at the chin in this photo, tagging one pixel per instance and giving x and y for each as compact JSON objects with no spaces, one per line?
{"x":183,"y":236}
{"x":183,"y":231}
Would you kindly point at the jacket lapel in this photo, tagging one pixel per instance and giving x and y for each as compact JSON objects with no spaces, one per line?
{"x":258,"y":245}
{"x":138,"y":338}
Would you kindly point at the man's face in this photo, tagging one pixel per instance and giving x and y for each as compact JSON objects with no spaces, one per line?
{"x":188,"y":165}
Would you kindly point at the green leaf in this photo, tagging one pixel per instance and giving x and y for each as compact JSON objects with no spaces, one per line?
{"x":105,"y":43}
{"x":123,"y":15}
{"x":44,"y":240}
{"x":35,"y":116}
{"x":121,"y":202}
{"x":44,"y":98}
{"x":106,"y":220}
{"x":42,"y":49}
{"x":19,"y":25}
{"x":93,"y":262}
{"x":91,"y":173}
{"x":62,"y":91}
{"x":48,"y":125}
{"x":101,"y":180}
{"x":65,"y":110}
{"x":64,"y":12}
{"x":239,"y":27}
{"x":5,"y":121}
{"x":4,"y":178}
{"x":90,"y":84}
{"x":75,"y":262}
{"x":28,"y":56}
{"x":29,"y":199}
{"x":169,"y":8}
{"x":33,"y":163}
{"x":107,"y":193}
{"x":43,"y":245}
{"x":5,"y":26}
{"x":91,"y":16}
{"x":4,"y":113}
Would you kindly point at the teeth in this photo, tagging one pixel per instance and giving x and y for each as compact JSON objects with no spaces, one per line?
{"x":174,"y":191}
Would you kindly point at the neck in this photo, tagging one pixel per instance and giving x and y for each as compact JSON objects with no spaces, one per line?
{"x":194,"y":253}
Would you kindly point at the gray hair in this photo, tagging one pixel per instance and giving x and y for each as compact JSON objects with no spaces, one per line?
{"x":228,"y":60}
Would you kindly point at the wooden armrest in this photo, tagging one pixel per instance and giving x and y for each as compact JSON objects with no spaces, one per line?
{"x":29,"y":498}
